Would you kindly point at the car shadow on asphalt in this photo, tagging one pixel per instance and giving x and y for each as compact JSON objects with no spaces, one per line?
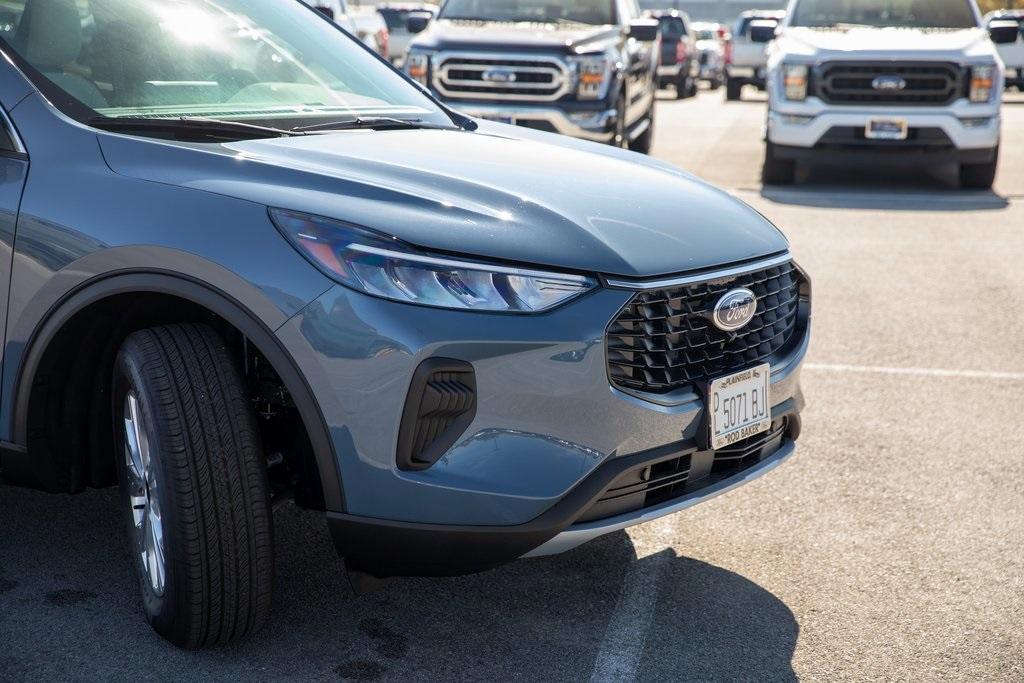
{"x":891,"y":189}
{"x":68,"y":604}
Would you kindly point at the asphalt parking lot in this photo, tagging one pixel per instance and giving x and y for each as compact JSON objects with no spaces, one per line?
{"x":891,"y":546}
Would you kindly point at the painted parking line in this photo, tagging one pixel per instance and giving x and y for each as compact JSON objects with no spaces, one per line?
{"x":625,"y":637}
{"x":916,"y":372}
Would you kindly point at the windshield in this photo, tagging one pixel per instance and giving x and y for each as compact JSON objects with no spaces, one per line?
{"x":706,"y":34}
{"x":593,"y":12}
{"x":260,"y":61}
{"x":954,"y":14}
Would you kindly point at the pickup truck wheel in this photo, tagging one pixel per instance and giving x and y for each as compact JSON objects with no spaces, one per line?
{"x":979,"y":176}
{"x":621,"y":137}
{"x":777,"y":171}
{"x":645,"y":142}
{"x":684,"y":86}
{"x":193,"y":486}
{"x":733,"y":90}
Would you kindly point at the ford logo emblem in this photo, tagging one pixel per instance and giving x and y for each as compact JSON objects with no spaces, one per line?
{"x":735,"y":310}
{"x":889,"y":83}
{"x":499,"y":76}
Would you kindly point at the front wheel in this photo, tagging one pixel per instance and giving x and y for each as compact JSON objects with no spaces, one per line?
{"x":645,"y":141}
{"x":193,"y":486}
{"x":979,"y":176}
{"x":777,"y":171}
{"x":733,"y":90}
{"x":621,"y":137}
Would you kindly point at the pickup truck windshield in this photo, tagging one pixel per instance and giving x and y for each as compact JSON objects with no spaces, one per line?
{"x":593,"y":12}
{"x":953,"y":14}
{"x":276,"y":62}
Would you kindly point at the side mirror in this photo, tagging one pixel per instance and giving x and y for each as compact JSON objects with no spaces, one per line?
{"x":644,"y":30}
{"x":1004,"y":32}
{"x":417,"y":22}
{"x":763,"y":31}
{"x":326,"y":11}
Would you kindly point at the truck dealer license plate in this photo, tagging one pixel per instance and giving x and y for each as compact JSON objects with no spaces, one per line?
{"x":739,"y":406}
{"x":886,"y":129}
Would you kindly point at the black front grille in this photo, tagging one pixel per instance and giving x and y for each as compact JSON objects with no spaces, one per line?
{"x":924,"y":83}
{"x":665,"y":340}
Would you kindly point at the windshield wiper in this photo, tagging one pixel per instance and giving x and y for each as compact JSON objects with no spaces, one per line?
{"x":204,"y":127}
{"x":370,"y":123}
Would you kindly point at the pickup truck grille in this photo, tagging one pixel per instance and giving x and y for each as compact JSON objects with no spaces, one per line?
{"x":500,"y":77}
{"x":664,"y":340}
{"x":923,"y":83}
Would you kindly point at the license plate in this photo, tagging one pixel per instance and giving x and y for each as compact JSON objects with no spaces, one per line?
{"x":500,"y":118}
{"x":886,"y":129}
{"x":739,"y":406}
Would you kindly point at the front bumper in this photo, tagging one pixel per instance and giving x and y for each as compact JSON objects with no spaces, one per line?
{"x":385,"y":548}
{"x":805,"y":125}
{"x":549,"y":427}
{"x":596,"y":125}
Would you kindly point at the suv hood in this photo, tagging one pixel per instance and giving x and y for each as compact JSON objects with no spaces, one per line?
{"x":446,"y":34}
{"x":534,"y":198}
{"x":886,"y":43}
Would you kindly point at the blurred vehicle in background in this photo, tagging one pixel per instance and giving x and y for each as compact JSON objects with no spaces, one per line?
{"x":372,"y":29}
{"x":885,"y":82}
{"x":365,"y":24}
{"x":745,"y":60}
{"x":678,"y":66}
{"x":1011,"y":53}
{"x":336,"y":11}
{"x":585,"y":68}
{"x":710,"y":53}
{"x":396,"y":16}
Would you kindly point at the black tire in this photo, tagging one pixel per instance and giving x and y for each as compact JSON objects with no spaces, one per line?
{"x":183,"y":390}
{"x":621,"y":137}
{"x":715,"y":84}
{"x":777,"y":171}
{"x":645,"y":142}
{"x":979,"y":176}
{"x":733,"y":90}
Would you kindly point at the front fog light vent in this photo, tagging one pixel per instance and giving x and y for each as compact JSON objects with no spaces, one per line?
{"x":440,"y":407}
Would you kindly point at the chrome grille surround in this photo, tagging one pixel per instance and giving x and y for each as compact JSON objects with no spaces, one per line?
{"x":536,"y":78}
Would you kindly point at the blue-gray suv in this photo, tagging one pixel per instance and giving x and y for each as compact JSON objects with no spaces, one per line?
{"x":245,"y":260}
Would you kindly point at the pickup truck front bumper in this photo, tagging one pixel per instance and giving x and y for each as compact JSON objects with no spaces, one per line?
{"x":962,"y":132}
{"x":586,"y":124}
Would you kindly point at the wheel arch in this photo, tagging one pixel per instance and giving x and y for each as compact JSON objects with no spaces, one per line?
{"x":21,"y":465}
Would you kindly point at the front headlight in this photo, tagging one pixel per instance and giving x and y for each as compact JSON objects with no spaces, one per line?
{"x":385,"y":267}
{"x":982,"y":80}
{"x":417,"y":65}
{"x":592,"y":75}
{"x":794,"y":81}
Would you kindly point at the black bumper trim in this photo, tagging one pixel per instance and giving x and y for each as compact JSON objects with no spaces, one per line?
{"x":385,"y":548}
{"x":890,"y":154}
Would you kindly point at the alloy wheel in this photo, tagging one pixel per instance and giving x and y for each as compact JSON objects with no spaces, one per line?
{"x":143,"y":496}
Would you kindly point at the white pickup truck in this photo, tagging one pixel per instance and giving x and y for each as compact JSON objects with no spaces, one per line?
{"x":909,"y":82}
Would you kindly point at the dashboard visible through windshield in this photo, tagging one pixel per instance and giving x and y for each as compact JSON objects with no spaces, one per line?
{"x":267,"y":61}
{"x":948,"y":14}
{"x":591,"y":12}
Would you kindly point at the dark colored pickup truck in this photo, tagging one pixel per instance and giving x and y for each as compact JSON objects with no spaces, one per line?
{"x":585,"y":68}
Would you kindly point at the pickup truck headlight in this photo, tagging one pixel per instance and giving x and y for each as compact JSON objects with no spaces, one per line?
{"x":982,"y":79}
{"x":593,"y":75}
{"x":385,"y":267}
{"x":417,"y":65}
{"x":794,"y":81}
